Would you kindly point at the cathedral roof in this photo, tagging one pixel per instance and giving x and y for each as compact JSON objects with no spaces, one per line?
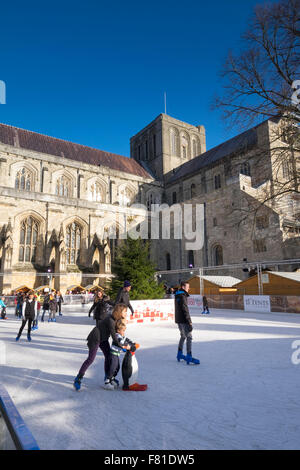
{"x":20,"y":138}
{"x":241,"y":142}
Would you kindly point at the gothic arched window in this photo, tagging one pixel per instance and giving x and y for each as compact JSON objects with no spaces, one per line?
{"x":194,"y":148}
{"x":63,"y":187}
{"x":184,"y":146}
{"x":24,"y":180}
{"x":218,"y":255}
{"x":28,"y":239}
{"x":174,"y":138}
{"x":125,"y":196}
{"x":96,"y":193}
{"x":73,"y":241}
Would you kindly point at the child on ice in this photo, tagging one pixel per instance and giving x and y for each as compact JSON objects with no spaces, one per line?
{"x":122,"y":343}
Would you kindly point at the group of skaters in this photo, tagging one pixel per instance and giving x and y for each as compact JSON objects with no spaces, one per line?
{"x":111,"y":319}
{"x":112,"y":325}
{"x":29,"y":306}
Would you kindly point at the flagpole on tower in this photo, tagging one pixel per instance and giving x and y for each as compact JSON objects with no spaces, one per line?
{"x":165,"y":99}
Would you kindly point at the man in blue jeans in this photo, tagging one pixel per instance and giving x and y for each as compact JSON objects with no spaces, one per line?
{"x":184,"y":321}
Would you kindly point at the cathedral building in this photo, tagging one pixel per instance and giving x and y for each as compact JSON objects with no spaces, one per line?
{"x":64,"y":206}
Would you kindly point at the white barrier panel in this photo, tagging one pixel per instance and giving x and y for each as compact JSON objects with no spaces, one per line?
{"x":195,"y":303}
{"x":257,"y":303}
{"x":2,"y":353}
{"x":147,"y":311}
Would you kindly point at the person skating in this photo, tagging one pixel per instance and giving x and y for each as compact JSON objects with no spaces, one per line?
{"x":119,"y":344}
{"x":29,"y":312}
{"x":100,"y":306}
{"x":123,"y":296}
{"x":205,"y":306}
{"x":60,"y":301}
{"x":3,"y":308}
{"x":52,"y":307}
{"x":20,"y":301}
{"x":45,"y":306}
{"x":35,"y":324}
{"x":103,"y":331}
{"x":184,"y":321}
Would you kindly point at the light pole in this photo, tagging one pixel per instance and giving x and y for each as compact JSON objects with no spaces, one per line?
{"x":50,"y":278}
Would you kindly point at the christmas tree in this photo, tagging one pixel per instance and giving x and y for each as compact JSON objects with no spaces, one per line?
{"x":132,"y":262}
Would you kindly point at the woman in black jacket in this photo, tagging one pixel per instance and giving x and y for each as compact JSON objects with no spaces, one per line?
{"x":100,"y":306}
{"x":99,"y":337}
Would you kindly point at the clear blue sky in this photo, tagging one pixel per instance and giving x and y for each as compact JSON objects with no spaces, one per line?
{"x":95,"y":72}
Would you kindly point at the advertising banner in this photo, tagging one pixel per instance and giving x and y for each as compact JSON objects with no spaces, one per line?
{"x":195,"y":304}
{"x":257,"y":303}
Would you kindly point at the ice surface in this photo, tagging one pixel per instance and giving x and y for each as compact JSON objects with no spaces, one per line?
{"x":245,"y":394}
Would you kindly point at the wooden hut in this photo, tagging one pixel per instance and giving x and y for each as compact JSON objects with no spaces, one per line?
{"x":273,"y":283}
{"x":213,"y":285}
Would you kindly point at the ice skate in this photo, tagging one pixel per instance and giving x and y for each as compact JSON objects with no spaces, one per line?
{"x":77,"y":382}
{"x":115,"y":382}
{"x":191,"y":360}
{"x":108,"y":385}
{"x":180,"y":356}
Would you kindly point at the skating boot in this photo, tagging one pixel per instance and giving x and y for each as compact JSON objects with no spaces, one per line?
{"x":108,"y":385}
{"x":189,"y":359}
{"x":115,"y":382}
{"x":29,"y":337}
{"x":180,"y":356}
{"x":77,"y":382}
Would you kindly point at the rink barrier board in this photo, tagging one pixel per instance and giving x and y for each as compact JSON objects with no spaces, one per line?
{"x":149,"y":311}
{"x":278,"y":303}
{"x":14,"y":434}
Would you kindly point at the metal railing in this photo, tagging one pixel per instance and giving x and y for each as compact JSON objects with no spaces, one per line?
{"x":14,"y":434}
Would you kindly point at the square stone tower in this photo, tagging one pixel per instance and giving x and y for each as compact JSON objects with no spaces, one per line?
{"x":165,"y":144}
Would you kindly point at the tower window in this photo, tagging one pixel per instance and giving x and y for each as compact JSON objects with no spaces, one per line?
{"x":217,"y":181}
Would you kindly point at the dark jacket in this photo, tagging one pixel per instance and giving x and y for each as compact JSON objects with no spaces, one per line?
{"x":123,"y":298}
{"x":182,"y":314}
{"x":101,"y":308}
{"x":46,"y":302}
{"x":29,"y":309}
{"x":93,"y":338}
{"x":107,"y":329}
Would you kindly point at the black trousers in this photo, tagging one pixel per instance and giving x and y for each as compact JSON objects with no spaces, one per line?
{"x":114,"y":366}
{"x":29,"y":320}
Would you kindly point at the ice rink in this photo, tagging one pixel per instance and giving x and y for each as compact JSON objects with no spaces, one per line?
{"x":245,"y":394}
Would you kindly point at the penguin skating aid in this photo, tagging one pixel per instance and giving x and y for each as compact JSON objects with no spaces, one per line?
{"x":130,"y":373}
